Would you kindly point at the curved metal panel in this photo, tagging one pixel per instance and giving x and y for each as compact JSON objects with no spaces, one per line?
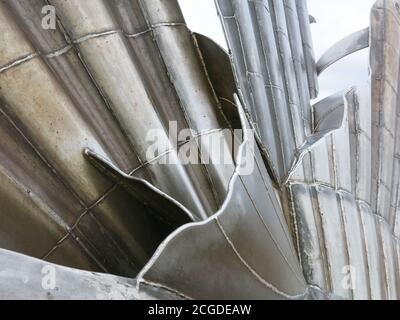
{"x":344,"y":215}
{"x":24,"y":278}
{"x":352,"y":43}
{"x":77,"y":99}
{"x":76,"y":179}
{"x":273,"y":60}
{"x":245,"y":224}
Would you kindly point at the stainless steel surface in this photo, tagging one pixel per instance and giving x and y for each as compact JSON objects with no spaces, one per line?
{"x":275,"y":74}
{"x":68,"y":95}
{"x":317,"y":218}
{"x":345,"y":213}
{"x":244,"y":234}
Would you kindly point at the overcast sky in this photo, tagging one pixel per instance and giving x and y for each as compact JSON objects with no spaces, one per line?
{"x":335,"y":20}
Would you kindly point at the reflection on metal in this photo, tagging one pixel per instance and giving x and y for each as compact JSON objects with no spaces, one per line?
{"x":24,"y":278}
{"x":317,"y":218}
{"x":250,"y":205}
{"x":346,"y":212}
{"x":352,"y":43}
{"x":270,"y":57}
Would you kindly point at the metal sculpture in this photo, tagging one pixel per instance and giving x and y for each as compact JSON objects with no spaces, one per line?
{"x":80,"y":189}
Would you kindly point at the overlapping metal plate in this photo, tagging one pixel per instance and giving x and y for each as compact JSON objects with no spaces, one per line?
{"x":77,"y":187}
{"x":103,"y":83}
{"x":272,"y":55}
{"x":88,"y":93}
{"x":345,"y":217}
{"x":343,"y":192}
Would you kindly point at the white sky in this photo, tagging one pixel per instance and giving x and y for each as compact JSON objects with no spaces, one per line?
{"x":335,"y":20}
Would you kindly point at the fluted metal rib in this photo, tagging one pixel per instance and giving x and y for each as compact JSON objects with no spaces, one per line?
{"x":100,"y":83}
{"x":272,"y":55}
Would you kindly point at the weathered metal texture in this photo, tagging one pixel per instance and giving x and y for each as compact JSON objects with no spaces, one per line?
{"x":168,"y":209}
{"x":272,"y":273}
{"x":247,"y":252}
{"x":272,"y":55}
{"x":112,"y":71}
{"x":355,"y":42}
{"x":308,"y":47}
{"x":78,"y":189}
{"x":344,"y":215}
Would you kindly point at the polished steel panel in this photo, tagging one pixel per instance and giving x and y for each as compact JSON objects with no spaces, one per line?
{"x":317,"y":218}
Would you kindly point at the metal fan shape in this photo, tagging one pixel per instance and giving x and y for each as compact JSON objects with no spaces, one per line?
{"x":82,"y":104}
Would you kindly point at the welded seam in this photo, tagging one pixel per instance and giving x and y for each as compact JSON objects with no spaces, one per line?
{"x":302,"y":12}
{"x":43,"y":159}
{"x":269,"y":231}
{"x":320,"y":222}
{"x":344,"y":192}
{"x":181,"y":104}
{"x":293,"y":213}
{"x":166,"y":288}
{"x":357,"y":134}
{"x":357,"y":149}
{"x":102,"y":198}
{"x":221,"y":211}
{"x":292,"y":102}
{"x":77,"y":222}
{"x":103,"y":96}
{"x":59,"y":221}
{"x":385,"y":261}
{"x":253,"y":117}
{"x":58,"y":52}
{"x":381,"y":245}
{"x":18,"y":61}
{"x":71,"y":44}
{"x":89,"y":253}
{"x":264,"y":149}
{"x":366,"y":248}
{"x":109,"y":108}
{"x":298,"y":59}
{"x":174,"y":149}
{"x":380,"y":101}
{"x":96,"y":35}
{"x":276,"y":211}
{"x":165,"y":243}
{"x":260,"y":3}
{"x":339,"y":202}
{"x":71,"y":233}
{"x":215,"y":96}
{"x":344,"y":223}
{"x":281,"y":140}
{"x":255,"y":274}
{"x":394,"y":198}
{"x":138,"y":34}
{"x":318,"y":216}
{"x":274,"y":106}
